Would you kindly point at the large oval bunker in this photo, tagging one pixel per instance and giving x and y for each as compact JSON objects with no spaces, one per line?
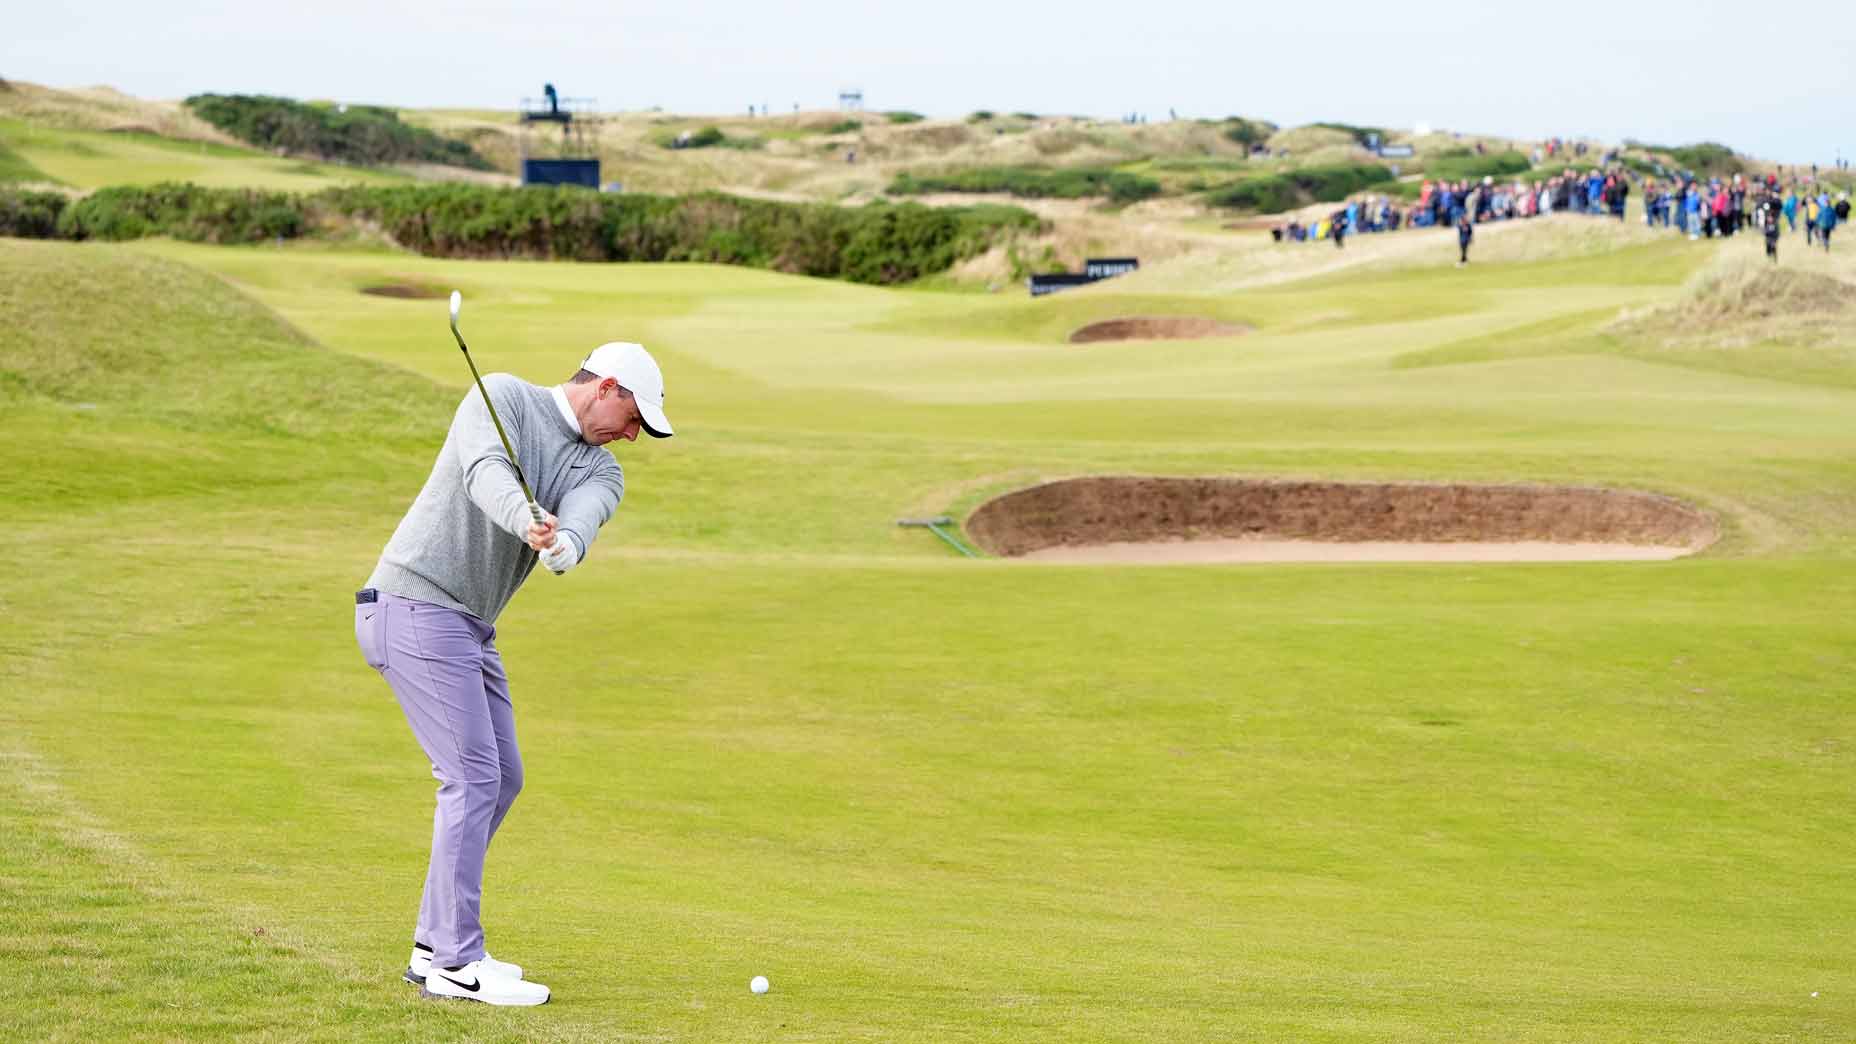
{"x":1155,"y":519}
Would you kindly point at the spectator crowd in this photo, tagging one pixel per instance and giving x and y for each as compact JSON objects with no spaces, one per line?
{"x":1682,"y":202}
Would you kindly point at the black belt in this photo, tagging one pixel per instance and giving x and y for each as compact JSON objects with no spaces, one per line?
{"x":366,"y":595}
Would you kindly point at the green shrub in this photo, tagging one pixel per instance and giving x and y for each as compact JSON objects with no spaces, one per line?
{"x":359,"y":134}
{"x":30,"y":215}
{"x":980,"y":116}
{"x":1464,"y":165}
{"x":708,"y":138}
{"x":904,"y":117}
{"x":1273,"y":193}
{"x":1032,"y":183}
{"x":845,"y":127}
{"x":877,"y":243}
{"x":1247,"y":132}
{"x":1640,"y":166}
{"x":183,"y":211}
{"x":1707,"y":159}
{"x":880,"y":243}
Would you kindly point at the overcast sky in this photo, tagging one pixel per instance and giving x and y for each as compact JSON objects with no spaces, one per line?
{"x":1776,"y":80}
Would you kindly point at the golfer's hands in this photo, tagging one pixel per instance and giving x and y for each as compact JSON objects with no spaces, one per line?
{"x":540,"y":535}
{"x":564,"y":555}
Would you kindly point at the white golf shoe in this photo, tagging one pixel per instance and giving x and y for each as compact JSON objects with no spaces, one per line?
{"x":473,"y":982}
{"x":419,"y":965}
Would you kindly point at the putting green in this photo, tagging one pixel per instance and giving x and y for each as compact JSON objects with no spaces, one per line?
{"x":768,"y":732}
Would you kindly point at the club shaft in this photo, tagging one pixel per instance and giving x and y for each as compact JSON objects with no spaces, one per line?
{"x":534,"y":509}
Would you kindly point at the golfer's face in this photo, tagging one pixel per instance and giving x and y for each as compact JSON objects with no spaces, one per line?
{"x":614,"y":415}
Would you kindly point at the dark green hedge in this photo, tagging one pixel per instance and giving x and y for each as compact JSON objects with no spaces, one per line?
{"x":1707,"y":159}
{"x":190,"y":212}
{"x":1273,"y":193}
{"x":1464,"y":165}
{"x":880,"y":243}
{"x":1032,"y":183}
{"x":1247,"y":132}
{"x":360,"y":134}
{"x":30,"y":215}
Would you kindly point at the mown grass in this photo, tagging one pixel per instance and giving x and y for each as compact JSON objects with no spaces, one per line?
{"x":88,"y":159}
{"x":767,"y":732}
{"x":15,"y":168}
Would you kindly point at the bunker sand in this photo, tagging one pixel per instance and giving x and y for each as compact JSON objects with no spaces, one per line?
{"x":1158,"y":519}
{"x":1212,"y":552}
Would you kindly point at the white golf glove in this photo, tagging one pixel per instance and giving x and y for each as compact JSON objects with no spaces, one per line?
{"x":564,"y":555}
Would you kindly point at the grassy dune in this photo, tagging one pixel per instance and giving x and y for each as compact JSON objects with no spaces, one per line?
{"x":769,"y":733}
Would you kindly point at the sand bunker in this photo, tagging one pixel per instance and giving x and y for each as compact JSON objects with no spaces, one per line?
{"x":1156,"y":328}
{"x":1142,"y":519}
{"x":408,"y":291}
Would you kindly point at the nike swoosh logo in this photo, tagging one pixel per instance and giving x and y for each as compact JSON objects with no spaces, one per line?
{"x":471,"y":986}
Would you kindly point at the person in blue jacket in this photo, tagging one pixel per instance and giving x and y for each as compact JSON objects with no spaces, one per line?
{"x":1826,"y":220}
{"x":1465,"y":231}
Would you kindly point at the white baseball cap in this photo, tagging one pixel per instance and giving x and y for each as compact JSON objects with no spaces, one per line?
{"x":636,"y":372}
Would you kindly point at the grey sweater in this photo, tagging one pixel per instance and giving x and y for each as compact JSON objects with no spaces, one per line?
{"x":460,"y":544}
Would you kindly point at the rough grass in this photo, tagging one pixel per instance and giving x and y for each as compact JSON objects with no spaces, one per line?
{"x":1745,"y":315}
{"x":104,"y":109}
{"x":931,"y":799}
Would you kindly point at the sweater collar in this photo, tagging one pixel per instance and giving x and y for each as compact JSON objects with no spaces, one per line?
{"x":567,"y":411}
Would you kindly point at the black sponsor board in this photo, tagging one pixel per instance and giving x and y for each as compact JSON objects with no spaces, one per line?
{"x":561,"y":172}
{"x":1107,"y":267}
{"x":1055,"y":281}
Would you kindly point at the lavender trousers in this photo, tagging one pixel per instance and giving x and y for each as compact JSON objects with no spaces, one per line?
{"x":448,"y":677}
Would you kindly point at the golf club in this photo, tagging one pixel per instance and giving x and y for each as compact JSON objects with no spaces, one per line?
{"x":534,"y":509}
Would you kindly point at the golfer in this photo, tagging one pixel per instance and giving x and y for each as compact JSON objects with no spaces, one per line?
{"x":426,"y":620}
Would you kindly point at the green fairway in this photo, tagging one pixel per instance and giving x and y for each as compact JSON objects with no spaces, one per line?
{"x":769,"y":732}
{"x":88,"y":159}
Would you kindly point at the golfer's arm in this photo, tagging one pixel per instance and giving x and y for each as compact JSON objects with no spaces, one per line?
{"x":589,"y":505}
{"x":489,"y":478}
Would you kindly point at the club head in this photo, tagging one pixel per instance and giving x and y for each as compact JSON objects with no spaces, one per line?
{"x":457,"y":302}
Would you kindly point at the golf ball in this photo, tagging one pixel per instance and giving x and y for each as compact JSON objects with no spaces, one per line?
{"x":759,"y":985}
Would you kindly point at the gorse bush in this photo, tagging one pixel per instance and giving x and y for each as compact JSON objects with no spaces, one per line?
{"x":1247,"y":132}
{"x":1707,"y":159}
{"x":30,"y":215}
{"x":359,"y":134}
{"x":707,"y":138}
{"x":1271,"y":193}
{"x":189,"y":212}
{"x":903,"y":116}
{"x":1032,"y":183}
{"x":880,"y":243}
{"x":1464,"y":165}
